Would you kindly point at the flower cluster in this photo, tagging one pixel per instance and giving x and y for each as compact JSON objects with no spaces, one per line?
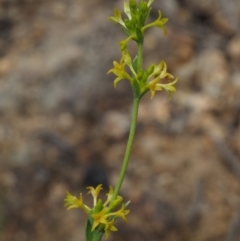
{"x":101,"y":216}
{"x":144,"y":80}
{"x":156,"y":77}
{"x":134,"y":25}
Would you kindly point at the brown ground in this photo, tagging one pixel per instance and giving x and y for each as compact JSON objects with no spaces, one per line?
{"x":63,"y":126}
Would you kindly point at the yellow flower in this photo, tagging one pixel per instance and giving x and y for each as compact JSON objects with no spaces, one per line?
{"x":119,"y":68}
{"x":104,"y":216}
{"x":155,"y":86}
{"x":117,"y":18}
{"x":121,"y":213}
{"x":128,"y":60}
{"x":159,"y":22}
{"x":109,"y":196}
{"x":99,"y":218}
{"x":72,"y":202}
{"x":127,"y":10}
{"x":109,"y":227}
{"x":160,"y":73}
{"x":95,"y":192}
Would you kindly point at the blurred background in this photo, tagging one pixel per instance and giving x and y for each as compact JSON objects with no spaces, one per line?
{"x":63,"y":126}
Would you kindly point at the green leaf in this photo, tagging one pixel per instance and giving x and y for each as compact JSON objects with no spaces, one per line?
{"x":136,"y":89}
{"x":135,"y":61}
{"x":126,"y":31}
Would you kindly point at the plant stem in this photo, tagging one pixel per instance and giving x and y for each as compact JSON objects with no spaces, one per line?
{"x":128,"y":149}
{"x":136,"y":100}
{"x":140,"y":55}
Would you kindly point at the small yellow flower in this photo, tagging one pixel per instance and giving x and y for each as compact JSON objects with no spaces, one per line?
{"x":109,"y":196}
{"x":127,"y":10}
{"x":119,"y":68}
{"x":109,"y":227}
{"x":99,"y":218}
{"x":95,"y":192}
{"x":155,"y":86}
{"x":104,"y":216}
{"x":121,"y":213}
{"x":128,"y":60}
{"x":117,"y":18}
{"x":159,"y":22}
{"x":123,"y":43}
{"x":160,"y":73}
{"x":72,"y":202}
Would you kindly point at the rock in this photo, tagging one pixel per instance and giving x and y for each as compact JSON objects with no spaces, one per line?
{"x":212,"y":72}
{"x":6,"y":66}
{"x":155,"y":110}
{"x":233,"y":48}
{"x":115,"y":124}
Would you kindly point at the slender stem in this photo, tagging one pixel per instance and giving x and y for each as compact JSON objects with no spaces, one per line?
{"x":140,"y":55}
{"x":136,"y":100}
{"x":128,"y":149}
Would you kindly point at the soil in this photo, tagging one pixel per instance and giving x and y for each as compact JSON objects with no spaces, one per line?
{"x":64,"y":127}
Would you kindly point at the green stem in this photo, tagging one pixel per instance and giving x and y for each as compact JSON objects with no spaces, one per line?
{"x":128,"y":149}
{"x":136,"y":100}
{"x":140,"y":55}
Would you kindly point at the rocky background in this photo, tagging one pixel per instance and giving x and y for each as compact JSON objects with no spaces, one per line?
{"x":63,"y":126}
